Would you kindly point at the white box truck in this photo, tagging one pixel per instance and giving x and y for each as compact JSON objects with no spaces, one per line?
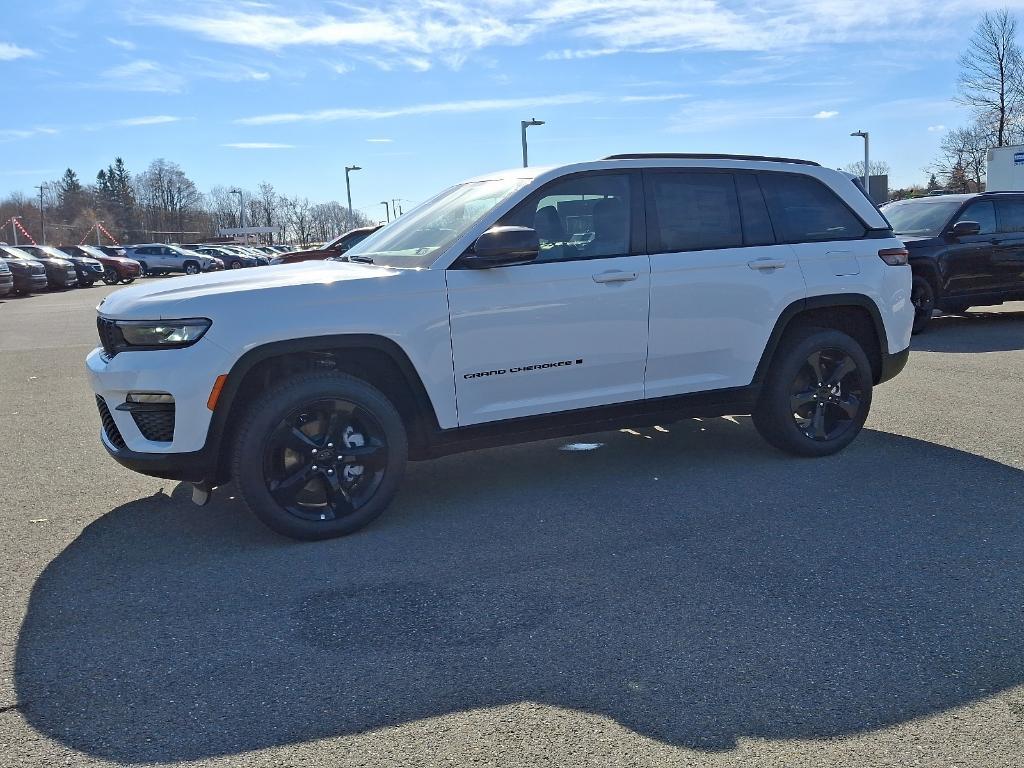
{"x":1005,"y":169}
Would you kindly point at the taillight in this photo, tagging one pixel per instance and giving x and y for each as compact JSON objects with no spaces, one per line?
{"x":895,"y":257}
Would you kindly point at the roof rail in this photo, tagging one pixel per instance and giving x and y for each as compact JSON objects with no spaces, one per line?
{"x":997,"y":192}
{"x":698,"y":156}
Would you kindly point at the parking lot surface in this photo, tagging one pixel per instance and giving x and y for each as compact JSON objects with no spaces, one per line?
{"x":675,"y":596}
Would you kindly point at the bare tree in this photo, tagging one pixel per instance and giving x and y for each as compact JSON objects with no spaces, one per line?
{"x":878,"y":168}
{"x":991,"y":78}
{"x":962,"y":163}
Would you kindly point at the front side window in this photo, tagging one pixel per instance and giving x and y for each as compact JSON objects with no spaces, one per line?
{"x":805,"y":210}
{"x":581,"y":217}
{"x":1011,"y":215}
{"x":418,"y":237}
{"x":984,"y":213}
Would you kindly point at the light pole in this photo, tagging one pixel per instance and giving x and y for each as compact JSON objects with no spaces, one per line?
{"x":348,"y":188}
{"x":42,"y":228}
{"x":524,"y":124}
{"x":98,"y":241}
{"x":387,"y":210}
{"x":241,"y":210}
{"x":14,"y":228}
{"x":867,"y":169}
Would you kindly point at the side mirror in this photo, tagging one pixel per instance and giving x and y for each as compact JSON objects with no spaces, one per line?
{"x":965,"y":229}
{"x":503,"y":247}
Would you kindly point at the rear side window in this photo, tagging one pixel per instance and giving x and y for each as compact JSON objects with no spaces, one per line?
{"x":692,"y":212}
{"x":1011,"y":215}
{"x":805,"y":210}
{"x":757,"y":225}
{"x":984,"y":213}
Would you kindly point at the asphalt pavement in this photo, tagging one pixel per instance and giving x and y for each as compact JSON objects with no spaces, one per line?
{"x":682,"y":595}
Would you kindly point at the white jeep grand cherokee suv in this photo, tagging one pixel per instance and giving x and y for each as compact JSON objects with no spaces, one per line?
{"x":527,"y":304}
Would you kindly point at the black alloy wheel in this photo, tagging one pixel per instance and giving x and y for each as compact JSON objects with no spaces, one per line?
{"x":826,"y":395}
{"x":816,"y":394}
{"x":320,"y":456}
{"x":110,"y":276}
{"x":922,"y":296}
{"x":325,"y":460}
{"x":236,"y":265}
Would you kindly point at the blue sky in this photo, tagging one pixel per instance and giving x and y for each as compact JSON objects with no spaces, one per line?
{"x":422,"y":93}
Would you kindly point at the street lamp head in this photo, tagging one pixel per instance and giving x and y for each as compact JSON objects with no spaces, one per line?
{"x":353,"y":168}
{"x":532,"y":121}
{"x":862,"y":134}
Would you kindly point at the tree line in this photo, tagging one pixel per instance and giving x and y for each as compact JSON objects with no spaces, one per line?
{"x":163,"y":204}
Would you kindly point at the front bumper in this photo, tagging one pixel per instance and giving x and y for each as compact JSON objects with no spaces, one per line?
{"x":30,"y":283}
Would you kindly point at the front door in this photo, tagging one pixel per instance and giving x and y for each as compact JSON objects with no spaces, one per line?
{"x":966,"y":265}
{"x":568,"y":330}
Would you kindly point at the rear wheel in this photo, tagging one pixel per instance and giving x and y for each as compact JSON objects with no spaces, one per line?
{"x":817,"y":394}
{"x":321,"y":456}
{"x":922,"y":296}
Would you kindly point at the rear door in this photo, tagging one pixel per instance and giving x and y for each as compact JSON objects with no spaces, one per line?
{"x":1008,"y":251}
{"x":569,"y":330}
{"x":719,"y":279}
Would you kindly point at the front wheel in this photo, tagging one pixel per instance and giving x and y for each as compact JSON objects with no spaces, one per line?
{"x":922,"y":296}
{"x":817,"y":393}
{"x":110,"y":276}
{"x":192,"y":268}
{"x":236,"y":265}
{"x":145,"y":268}
{"x":321,"y":456}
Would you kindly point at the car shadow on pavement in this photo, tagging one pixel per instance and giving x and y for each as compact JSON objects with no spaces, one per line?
{"x":691,"y":583}
{"x":973,"y":331}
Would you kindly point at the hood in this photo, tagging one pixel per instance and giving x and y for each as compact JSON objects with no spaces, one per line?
{"x":914,"y":242}
{"x":20,"y":264}
{"x":292,"y":288}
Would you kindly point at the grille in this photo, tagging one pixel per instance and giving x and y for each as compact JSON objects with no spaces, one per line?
{"x":38,"y":269}
{"x":110,"y":335}
{"x":156,"y":425}
{"x":109,"y":427}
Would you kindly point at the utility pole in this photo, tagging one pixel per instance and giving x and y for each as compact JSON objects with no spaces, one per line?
{"x":42,"y":228}
{"x":14,"y":228}
{"x":348,"y":188}
{"x":98,"y":243}
{"x":524,"y":124}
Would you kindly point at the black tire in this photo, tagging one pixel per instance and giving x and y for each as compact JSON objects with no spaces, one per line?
{"x":110,"y":276}
{"x":314,"y":411}
{"x":922,"y":296}
{"x":192,"y":268}
{"x":833,"y":367}
{"x":145,"y":268}
{"x":236,"y":265}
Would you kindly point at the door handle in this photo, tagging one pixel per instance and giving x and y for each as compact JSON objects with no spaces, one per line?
{"x":766,"y":264}
{"x":615,"y":276}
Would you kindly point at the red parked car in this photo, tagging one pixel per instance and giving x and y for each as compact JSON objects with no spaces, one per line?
{"x":117,"y":268}
{"x":336,"y":247}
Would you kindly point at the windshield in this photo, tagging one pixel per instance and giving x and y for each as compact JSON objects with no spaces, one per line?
{"x":418,"y":237}
{"x":920,"y":218}
{"x":93,"y":251}
{"x":49,"y":250}
{"x":16,"y":253}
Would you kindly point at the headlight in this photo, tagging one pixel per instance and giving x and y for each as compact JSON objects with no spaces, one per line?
{"x":163,"y":333}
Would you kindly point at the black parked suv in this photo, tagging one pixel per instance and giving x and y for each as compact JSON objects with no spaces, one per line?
{"x":965,"y":250}
{"x":87,"y":269}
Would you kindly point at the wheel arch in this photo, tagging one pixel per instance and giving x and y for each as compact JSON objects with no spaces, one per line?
{"x":853,"y":313}
{"x":376,"y":359}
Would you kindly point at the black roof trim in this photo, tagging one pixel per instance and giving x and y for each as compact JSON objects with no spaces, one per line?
{"x":697,"y":156}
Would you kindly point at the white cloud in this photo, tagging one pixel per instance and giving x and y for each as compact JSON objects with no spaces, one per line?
{"x":258,"y":145}
{"x":148,"y":120}
{"x":451,"y":107}
{"x":10,"y":52}
{"x":126,"y":45}
{"x":13,"y":134}
{"x":936,"y":128}
{"x":826,"y":114}
{"x":655,"y":97}
{"x":380,"y":141}
{"x":141,"y":75}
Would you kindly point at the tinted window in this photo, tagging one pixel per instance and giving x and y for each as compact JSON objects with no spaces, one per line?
{"x":985,"y":214}
{"x":693,"y":212}
{"x":583,"y":217}
{"x":757,"y":226}
{"x":1011,"y":215}
{"x":805,"y":210}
